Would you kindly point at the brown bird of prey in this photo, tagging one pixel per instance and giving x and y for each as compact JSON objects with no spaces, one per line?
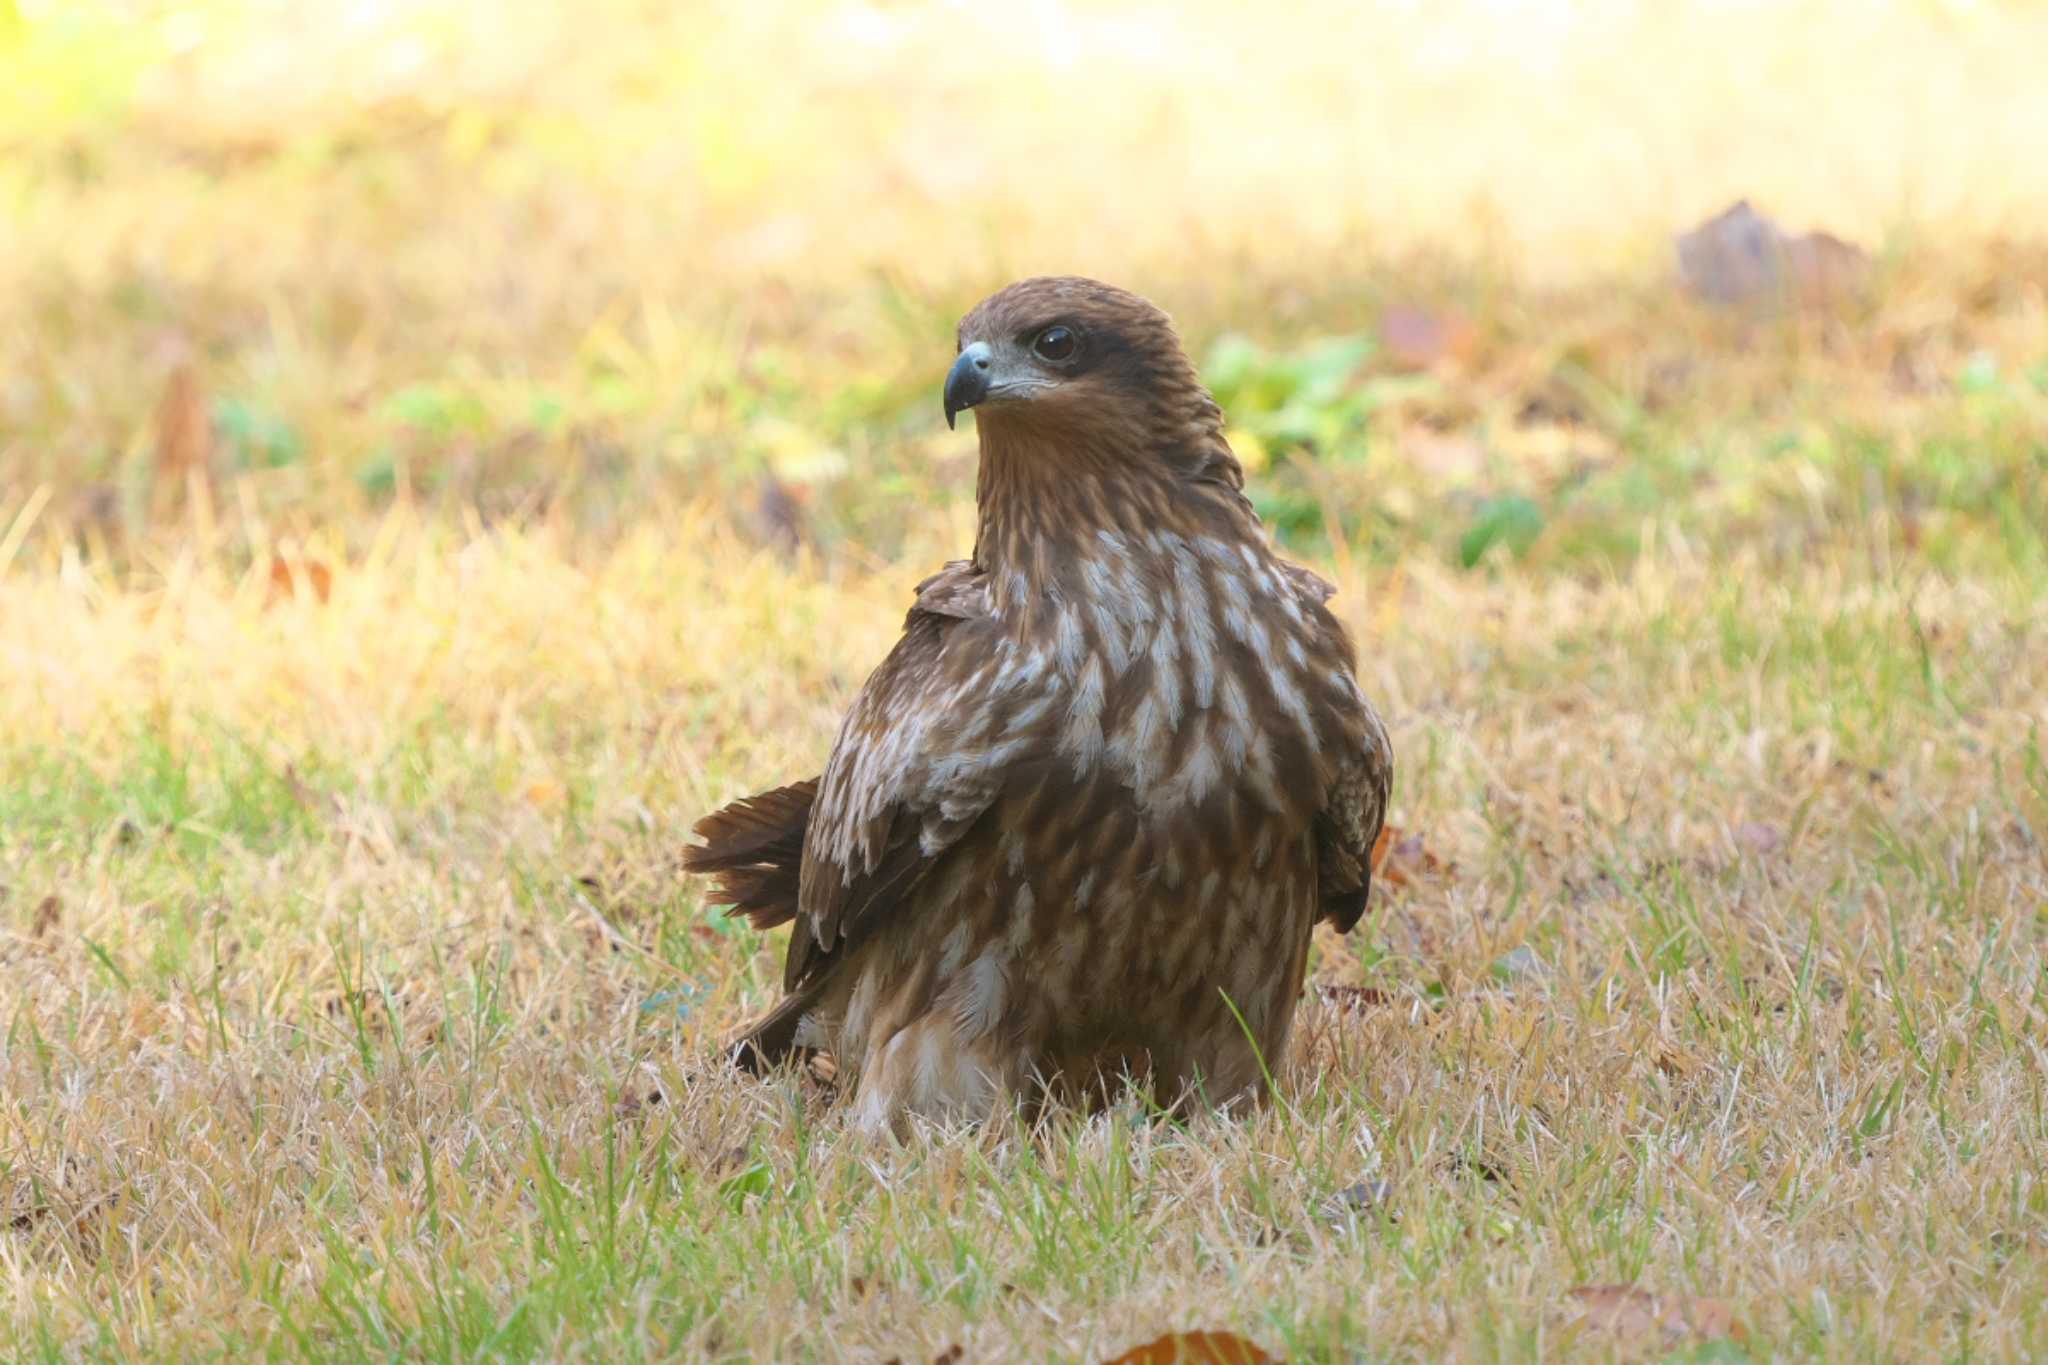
{"x":1078,"y":826}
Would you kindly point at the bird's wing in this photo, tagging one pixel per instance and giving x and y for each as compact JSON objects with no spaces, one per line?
{"x":1349,"y":824}
{"x":754,"y":847}
{"x":1355,"y":800}
{"x":922,"y":754}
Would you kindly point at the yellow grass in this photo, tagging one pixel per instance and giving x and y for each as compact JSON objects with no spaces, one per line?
{"x":1801,"y":1076}
{"x":350,"y":1002}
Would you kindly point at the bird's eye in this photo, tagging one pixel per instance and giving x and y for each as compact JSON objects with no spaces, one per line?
{"x":1055,"y":344}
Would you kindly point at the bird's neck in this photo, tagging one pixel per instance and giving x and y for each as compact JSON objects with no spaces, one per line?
{"x":1053,"y":514}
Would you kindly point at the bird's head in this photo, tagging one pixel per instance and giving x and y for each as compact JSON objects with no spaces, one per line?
{"x":1064,"y":353}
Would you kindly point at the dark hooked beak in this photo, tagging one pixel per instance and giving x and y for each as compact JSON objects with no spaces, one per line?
{"x":967,"y":382}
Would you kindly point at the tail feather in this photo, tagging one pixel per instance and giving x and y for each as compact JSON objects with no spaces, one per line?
{"x":754,"y":850}
{"x":753,"y":829}
{"x":772,"y":1040}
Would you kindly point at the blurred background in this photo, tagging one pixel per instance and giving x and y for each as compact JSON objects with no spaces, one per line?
{"x":584,"y":262}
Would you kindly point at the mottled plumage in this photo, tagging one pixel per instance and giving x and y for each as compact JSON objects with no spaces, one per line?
{"x":1085,"y":814}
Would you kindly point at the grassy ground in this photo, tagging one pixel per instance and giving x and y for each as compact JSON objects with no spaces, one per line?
{"x":401,"y":541}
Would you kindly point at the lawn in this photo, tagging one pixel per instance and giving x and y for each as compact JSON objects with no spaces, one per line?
{"x":443,"y":452}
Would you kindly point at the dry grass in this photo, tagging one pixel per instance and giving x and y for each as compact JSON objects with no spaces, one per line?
{"x":365,"y":960}
{"x":350,"y":1004}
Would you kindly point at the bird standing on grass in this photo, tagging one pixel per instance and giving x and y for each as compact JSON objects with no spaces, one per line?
{"x":1080,"y":823}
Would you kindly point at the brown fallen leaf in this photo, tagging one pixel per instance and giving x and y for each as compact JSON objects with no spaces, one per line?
{"x":286,"y":580}
{"x":1381,"y":846}
{"x":1672,"y":1060}
{"x":48,"y":911}
{"x":1759,"y":838}
{"x":1626,"y":1310}
{"x":1354,"y":999}
{"x":1196,"y":1348}
{"x":84,"y":1223}
{"x":1398,"y":857}
{"x":633,"y":1104}
{"x":1417,"y":338}
{"x":22,"y":1222}
{"x":1740,"y":256}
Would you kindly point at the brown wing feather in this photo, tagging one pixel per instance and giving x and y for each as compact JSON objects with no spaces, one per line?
{"x":1355,"y":802}
{"x":903,"y":783}
{"x":914,"y":766}
{"x":959,"y":590}
{"x":1346,"y":829}
{"x":1311,"y":587}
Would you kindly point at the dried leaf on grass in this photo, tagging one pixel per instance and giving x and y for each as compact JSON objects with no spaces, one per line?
{"x":1759,"y":838}
{"x":1354,"y":999}
{"x":1399,"y":857}
{"x":1740,"y":256}
{"x":1196,"y":1348}
{"x":1419,"y":339}
{"x":48,"y":911}
{"x":288,"y":580}
{"x":84,"y":1223}
{"x":1626,"y":1310}
{"x":633,"y":1103}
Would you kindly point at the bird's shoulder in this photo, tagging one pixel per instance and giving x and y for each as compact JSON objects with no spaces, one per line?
{"x":1306,"y":584}
{"x":959,"y":591}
